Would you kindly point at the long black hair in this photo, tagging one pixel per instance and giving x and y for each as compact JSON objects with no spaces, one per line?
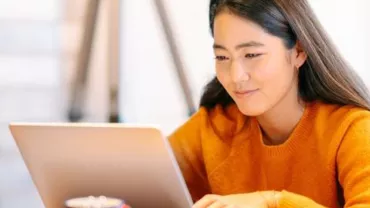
{"x":324,"y":76}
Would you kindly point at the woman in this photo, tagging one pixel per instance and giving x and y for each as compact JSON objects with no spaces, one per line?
{"x":285,"y":123}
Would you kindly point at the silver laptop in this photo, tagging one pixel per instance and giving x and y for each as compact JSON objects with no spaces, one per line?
{"x":133,"y":163}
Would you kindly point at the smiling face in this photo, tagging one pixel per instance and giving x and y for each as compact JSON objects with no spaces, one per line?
{"x":254,"y":67}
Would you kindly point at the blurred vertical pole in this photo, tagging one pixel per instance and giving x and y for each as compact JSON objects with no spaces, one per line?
{"x":175,"y":55}
{"x":113,"y":58}
{"x":82,"y":68}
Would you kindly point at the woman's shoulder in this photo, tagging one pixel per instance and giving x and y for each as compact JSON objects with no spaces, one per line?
{"x":329,"y":117}
{"x":335,"y":112}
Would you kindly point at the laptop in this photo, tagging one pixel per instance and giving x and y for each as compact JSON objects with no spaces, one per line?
{"x":128,"y":162}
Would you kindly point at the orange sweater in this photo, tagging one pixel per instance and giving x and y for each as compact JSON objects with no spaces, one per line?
{"x":324,"y":162}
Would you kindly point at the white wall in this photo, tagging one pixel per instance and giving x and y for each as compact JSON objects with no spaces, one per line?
{"x":149,"y":91}
{"x":30,"y":86}
{"x":347,"y":24}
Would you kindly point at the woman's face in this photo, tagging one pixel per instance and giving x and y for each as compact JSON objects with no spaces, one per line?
{"x":254,"y":67}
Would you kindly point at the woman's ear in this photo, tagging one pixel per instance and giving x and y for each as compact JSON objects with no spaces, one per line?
{"x":300,"y":55}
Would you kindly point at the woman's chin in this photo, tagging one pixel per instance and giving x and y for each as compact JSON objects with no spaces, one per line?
{"x":251,"y":110}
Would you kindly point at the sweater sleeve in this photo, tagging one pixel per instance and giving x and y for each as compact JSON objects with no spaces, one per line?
{"x":353,"y":161}
{"x":353,"y":164}
{"x":186,"y":145}
{"x":291,"y":200}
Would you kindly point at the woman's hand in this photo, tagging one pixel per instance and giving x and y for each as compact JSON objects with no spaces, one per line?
{"x":265,"y":199}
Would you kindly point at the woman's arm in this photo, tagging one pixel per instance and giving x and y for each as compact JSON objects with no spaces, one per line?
{"x":353,"y":161}
{"x":260,"y":199}
{"x":186,"y":144}
{"x":353,"y":164}
{"x":287,"y":199}
{"x":353,"y":167}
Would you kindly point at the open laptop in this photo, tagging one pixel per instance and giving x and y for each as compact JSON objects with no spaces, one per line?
{"x":128,"y":162}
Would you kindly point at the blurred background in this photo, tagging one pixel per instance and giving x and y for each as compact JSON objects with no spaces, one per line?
{"x":120,"y":61}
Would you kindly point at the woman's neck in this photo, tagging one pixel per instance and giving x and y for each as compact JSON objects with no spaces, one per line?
{"x":279,"y":122}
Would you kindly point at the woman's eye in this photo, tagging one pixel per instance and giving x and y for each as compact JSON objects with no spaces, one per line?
{"x":221,"y":58}
{"x":252,"y":55}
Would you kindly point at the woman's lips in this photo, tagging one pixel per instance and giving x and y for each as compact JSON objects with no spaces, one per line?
{"x":244,"y":93}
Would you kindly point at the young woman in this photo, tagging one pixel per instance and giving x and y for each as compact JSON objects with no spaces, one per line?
{"x":286,"y":121}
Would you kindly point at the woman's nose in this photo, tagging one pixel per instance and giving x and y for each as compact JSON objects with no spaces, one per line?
{"x":238,"y":72}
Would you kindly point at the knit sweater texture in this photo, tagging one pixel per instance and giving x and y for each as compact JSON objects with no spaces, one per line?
{"x":325,"y":162}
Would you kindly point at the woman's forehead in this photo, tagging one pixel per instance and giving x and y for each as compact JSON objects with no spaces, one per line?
{"x":231,"y":31}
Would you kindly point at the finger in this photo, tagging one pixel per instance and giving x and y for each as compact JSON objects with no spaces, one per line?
{"x":232,"y":206}
{"x":239,"y":206}
{"x":217,"y":204}
{"x":206,"y":201}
